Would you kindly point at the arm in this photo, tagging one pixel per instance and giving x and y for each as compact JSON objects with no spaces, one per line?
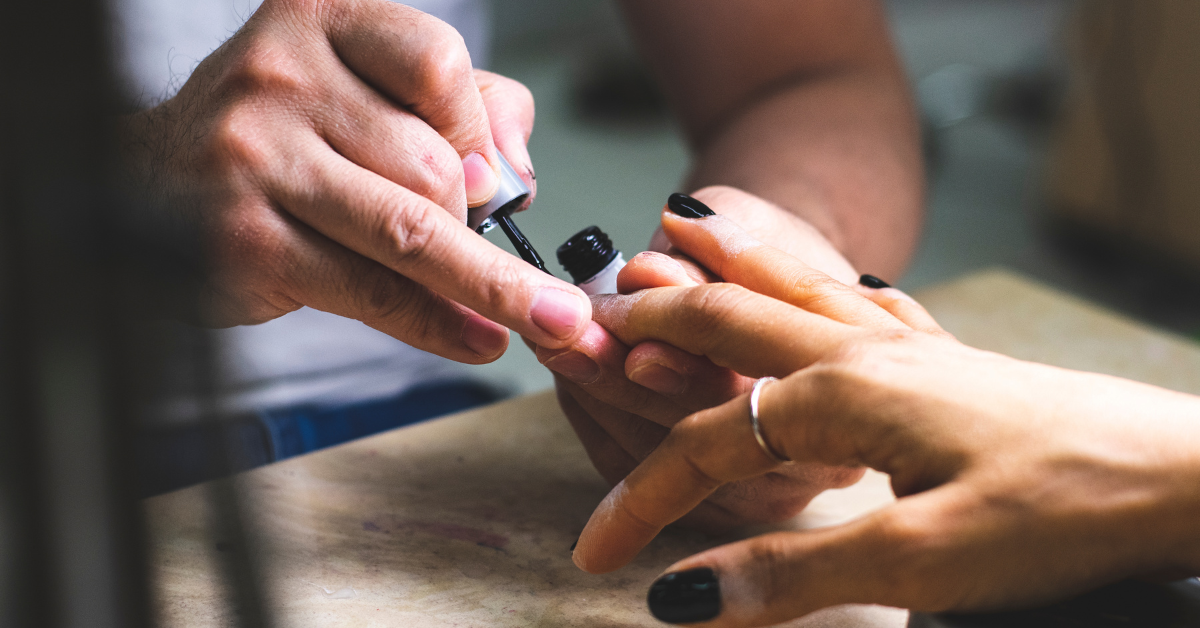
{"x":803,"y":104}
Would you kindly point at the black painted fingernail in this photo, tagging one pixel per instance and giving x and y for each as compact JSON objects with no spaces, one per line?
{"x":686,"y":597}
{"x":573,"y":545}
{"x":871,"y":281}
{"x":688,"y":207}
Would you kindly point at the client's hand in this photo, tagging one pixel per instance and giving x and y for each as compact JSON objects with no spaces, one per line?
{"x":1018,"y":482}
{"x":622,"y":401}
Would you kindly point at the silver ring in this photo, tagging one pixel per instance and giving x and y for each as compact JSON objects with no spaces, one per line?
{"x":754,"y":422}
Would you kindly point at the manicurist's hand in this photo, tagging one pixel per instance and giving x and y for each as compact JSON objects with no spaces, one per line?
{"x":622,"y":401}
{"x":1017,"y":482}
{"x":326,"y":156}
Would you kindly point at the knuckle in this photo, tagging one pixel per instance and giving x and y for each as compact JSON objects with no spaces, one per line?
{"x":264,"y":66}
{"x":378,"y":296}
{"x":811,"y":289}
{"x":707,"y":310}
{"x":410,"y":232}
{"x":439,"y":168}
{"x":445,"y":66}
{"x":774,"y":572}
{"x":237,"y":139}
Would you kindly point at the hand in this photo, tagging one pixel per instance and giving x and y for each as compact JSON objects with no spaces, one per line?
{"x":326,"y":155}
{"x":1018,"y":482}
{"x":622,"y":401}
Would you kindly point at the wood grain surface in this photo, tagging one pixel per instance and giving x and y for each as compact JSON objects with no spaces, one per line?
{"x":467,"y":520}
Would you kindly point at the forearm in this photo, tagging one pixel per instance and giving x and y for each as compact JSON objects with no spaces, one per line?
{"x":840,"y":151}
{"x":801,"y":103}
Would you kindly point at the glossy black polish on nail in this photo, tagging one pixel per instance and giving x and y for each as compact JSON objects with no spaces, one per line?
{"x":871,"y":281}
{"x":688,"y":207}
{"x":573,"y":545}
{"x":686,"y":597}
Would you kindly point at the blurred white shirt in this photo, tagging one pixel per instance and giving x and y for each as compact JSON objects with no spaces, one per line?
{"x":306,"y":357}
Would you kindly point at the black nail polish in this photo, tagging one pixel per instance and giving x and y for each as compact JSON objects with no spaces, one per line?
{"x":688,"y":207}
{"x":573,"y":545}
{"x":686,"y":597}
{"x":871,"y":281}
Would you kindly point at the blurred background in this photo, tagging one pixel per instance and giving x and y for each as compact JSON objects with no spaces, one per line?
{"x":991,"y":77}
{"x":1059,"y":135}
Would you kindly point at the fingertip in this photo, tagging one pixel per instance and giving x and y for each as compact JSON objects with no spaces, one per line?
{"x":561,"y":314}
{"x":652,"y":270}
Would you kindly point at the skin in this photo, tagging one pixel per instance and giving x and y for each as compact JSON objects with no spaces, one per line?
{"x":326,"y":155}
{"x":1017,"y":482}
{"x":811,"y":144}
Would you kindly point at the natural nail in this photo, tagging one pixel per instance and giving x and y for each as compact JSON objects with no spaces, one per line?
{"x":481,"y":179}
{"x":686,"y":597}
{"x":871,"y":281}
{"x":574,"y":366}
{"x":688,"y":207}
{"x":659,"y":378}
{"x":484,"y":337}
{"x":557,"y":312}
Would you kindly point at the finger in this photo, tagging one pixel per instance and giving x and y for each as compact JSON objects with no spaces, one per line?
{"x":607,"y":456}
{"x":780,"y":228}
{"x":328,"y":277}
{"x":702,"y":453}
{"x":752,"y":334}
{"x":596,"y":363}
{"x":422,"y":64}
{"x":691,"y":381}
{"x":718,"y":244}
{"x":904,"y":308}
{"x":375,"y":134}
{"x":653,"y":270}
{"x":905,"y":555}
{"x":510,"y":110}
{"x":410,"y":235}
{"x":635,"y":435}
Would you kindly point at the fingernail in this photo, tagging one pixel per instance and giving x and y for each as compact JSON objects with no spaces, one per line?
{"x":659,"y":378}
{"x":558,"y":313}
{"x":688,"y":207}
{"x":871,"y":281}
{"x":484,"y":337}
{"x":574,"y":366}
{"x":481,"y":179}
{"x":686,"y":597}
{"x":573,"y":545}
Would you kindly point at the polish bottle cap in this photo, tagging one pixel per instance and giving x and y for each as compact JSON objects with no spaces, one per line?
{"x":509,"y":196}
{"x":586,"y":253}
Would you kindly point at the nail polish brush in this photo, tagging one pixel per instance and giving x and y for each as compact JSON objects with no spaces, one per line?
{"x":511,"y":193}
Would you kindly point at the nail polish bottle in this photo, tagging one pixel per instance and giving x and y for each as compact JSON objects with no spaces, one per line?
{"x":591,"y":260}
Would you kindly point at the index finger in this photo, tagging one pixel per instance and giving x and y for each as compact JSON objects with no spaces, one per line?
{"x":418,"y":239}
{"x":734,"y":327}
{"x":726,"y":249}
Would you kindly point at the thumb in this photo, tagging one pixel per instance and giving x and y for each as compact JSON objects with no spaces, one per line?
{"x":510,"y":112}
{"x":899,"y":556}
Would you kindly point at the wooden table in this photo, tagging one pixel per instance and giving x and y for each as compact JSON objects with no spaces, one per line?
{"x":467,"y":520}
